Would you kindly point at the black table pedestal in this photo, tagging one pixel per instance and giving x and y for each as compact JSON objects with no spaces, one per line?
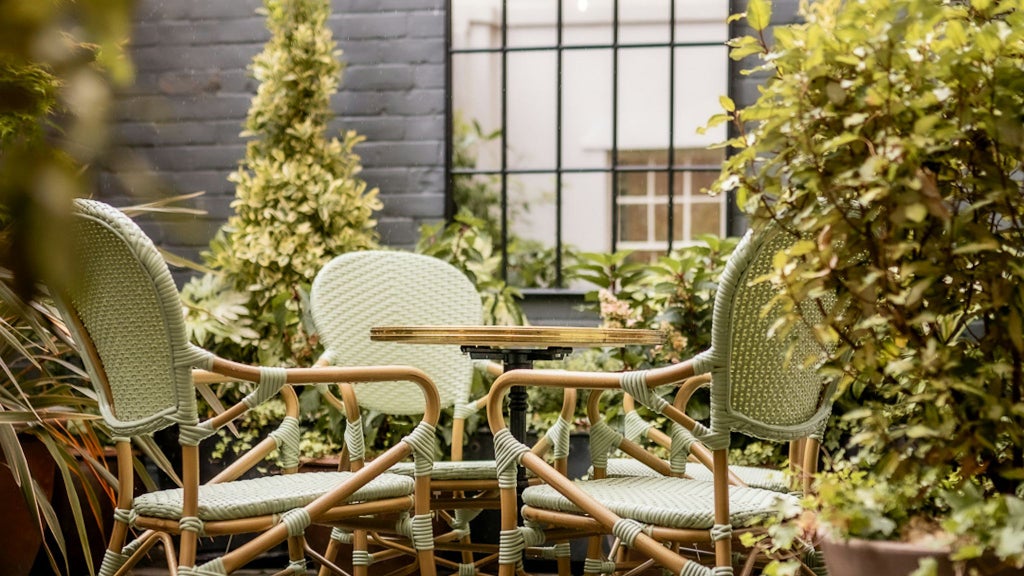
{"x":517,"y":359}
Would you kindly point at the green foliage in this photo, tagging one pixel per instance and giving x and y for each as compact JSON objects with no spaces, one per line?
{"x":54,"y":98}
{"x":53,"y":103}
{"x":44,"y":396}
{"x":32,"y":88}
{"x":225,"y":318}
{"x":892,"y":135}
{"x":466,"y":244}
{"x":298,"y":199}
{"x":674,"y":294}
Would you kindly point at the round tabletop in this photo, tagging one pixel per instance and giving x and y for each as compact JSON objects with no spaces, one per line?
{"x":517,"y":336}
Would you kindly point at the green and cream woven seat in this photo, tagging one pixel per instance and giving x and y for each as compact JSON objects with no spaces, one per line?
{"x":760,"y":386}
{"x":125,"y":315}
{"x":662,"y":501}
{"x":753,"y":476}
{"x":357,"y":291}
{"x":266,"y":496}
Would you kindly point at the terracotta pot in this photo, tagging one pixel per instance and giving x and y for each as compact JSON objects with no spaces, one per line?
{"x":856,"y":557}
{"x":18,"y":532}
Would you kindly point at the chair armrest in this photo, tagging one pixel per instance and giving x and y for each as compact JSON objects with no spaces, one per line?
{"x":673,"y":374}
{"x":335,"y":375}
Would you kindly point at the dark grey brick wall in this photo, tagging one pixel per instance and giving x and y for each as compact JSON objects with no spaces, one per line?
{"x":177,"y":127}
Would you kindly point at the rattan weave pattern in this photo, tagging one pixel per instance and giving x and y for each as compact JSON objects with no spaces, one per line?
{"x":763,"y":387}
{"x":763,"y":478}
{"x":758,"y":387}
{"x":142,"y":360}
{"x":267,"y":495}
{"x":668,"y":502}
{"x":359,"y":290}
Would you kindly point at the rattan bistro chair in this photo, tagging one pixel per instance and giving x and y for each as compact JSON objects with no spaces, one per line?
{"x":686,"y":456}
{"x":359,"y":290}
{"x":760,"y":386}
{"x":124,"y":312}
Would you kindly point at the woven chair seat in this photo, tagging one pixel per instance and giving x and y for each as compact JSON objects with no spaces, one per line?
{"x":268,"y":495}
{"x":461,"y":470}
{"x":764,"y":478}
{"x":668,"y":502}
{"x":448,"y":470}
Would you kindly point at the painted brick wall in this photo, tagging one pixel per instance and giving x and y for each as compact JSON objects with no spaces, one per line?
{"x":178,"y":125}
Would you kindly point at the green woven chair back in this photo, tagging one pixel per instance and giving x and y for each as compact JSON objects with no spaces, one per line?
{"x":761,"y":385}
{"x":359,"y":290}
{"x":125,"y":314}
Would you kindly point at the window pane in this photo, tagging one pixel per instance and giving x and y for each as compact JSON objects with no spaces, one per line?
{"x":532,"y":82}
{"x":633,"y":223}
{"x":587,"y":209}
{"x":632,"y":183}
{"x":530,"y":24}
{"x":643,"y":99}
{"x":477,"y":103}
{"x":587,"y":106}
{"x":706,"y":219}
{"x":587,"y":22}
{"x":476,"y":24}
{"x":661,"y":224}
{"x":643,"y":22}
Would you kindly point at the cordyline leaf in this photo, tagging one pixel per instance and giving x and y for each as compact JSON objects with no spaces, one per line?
{"x":148,"y":447}
{"x":25,"y":417}
{"x":64,"y":463}
{"x":163,"y":206}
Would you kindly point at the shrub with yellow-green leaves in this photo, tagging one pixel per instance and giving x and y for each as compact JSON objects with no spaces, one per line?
{"x":298,"y":199}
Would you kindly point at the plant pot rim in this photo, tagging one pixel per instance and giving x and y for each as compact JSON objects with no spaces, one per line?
{"x":854,"y":542}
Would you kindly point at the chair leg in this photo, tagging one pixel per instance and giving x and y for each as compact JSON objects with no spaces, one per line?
{"x":594,"y":551}
{"x":338,"y":537}
{"x":564,"y":565}
{"x":723,"y":543}
{"x":297,"y":553}
{"x":360,"y":553}
{"x":509,"y":522}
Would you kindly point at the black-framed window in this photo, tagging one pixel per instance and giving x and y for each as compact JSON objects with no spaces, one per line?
{"x":588,"y":112}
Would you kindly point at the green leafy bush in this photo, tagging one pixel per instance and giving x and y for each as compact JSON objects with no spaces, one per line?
{"x":891,"y":133}
{"x":54,"y":99}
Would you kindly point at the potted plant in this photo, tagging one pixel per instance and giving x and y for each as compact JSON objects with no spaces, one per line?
{"x":48,"y":439}
{"x":890,"y":136}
